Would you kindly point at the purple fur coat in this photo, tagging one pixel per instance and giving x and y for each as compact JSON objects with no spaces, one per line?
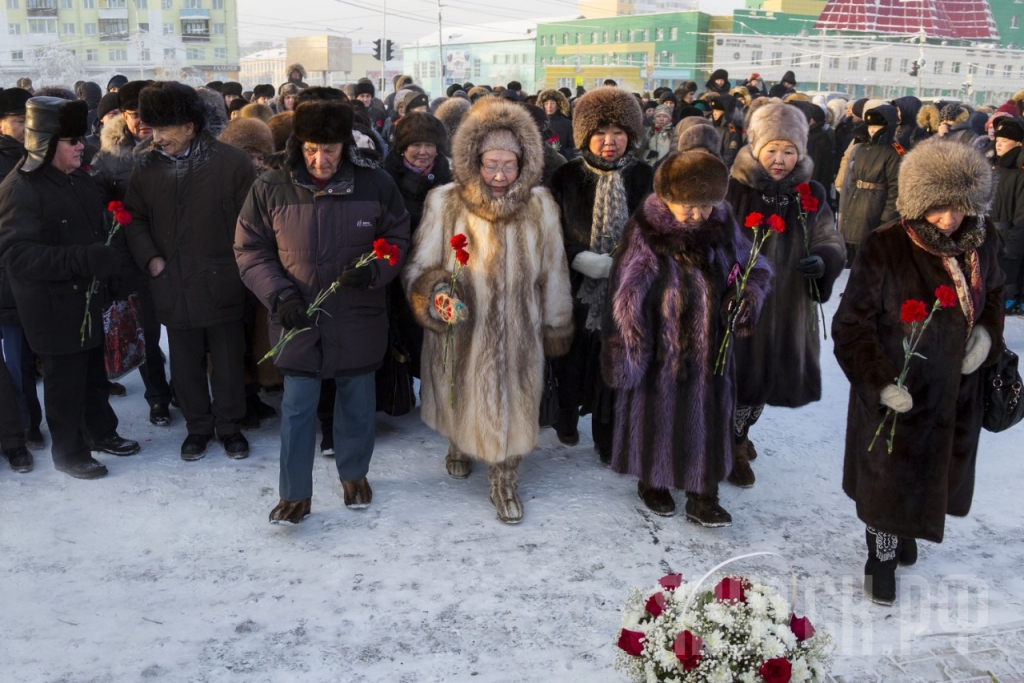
{"x":662,"y":329}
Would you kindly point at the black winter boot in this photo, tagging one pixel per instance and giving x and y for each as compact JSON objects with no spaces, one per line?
{"x":907,"y":552}
{"x":880,"y":569}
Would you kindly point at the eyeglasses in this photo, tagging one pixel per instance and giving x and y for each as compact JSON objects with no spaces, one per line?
{"x":73,"y":141}
{"x":130,"y":114}
{"x":507,"y":171}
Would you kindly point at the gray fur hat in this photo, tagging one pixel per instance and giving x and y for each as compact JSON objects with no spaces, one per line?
{"x":777,"y":121}
{"x":937,"y":174}
{"x":451,"y":112}
{"x":607,"y":105}
{"x":695,"y":132}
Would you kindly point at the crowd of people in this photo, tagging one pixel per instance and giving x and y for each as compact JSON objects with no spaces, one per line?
{"x":579,"y":250}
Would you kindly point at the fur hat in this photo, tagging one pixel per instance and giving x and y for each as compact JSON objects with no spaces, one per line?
{"x":263,"y":90}
{"x":777,"y":121}
{"x":251,"y":135}
{"x":954,"y":112}
{"x":47,"y":119}
{"x":416,"y":102}
{"x":323,"y":122}
{"x":281,"y":128}
{"x":938,"y":174}
{"x":12,"y":101}
{"x":128,"y":95}
{"x":216,"y":86}
{"x":928,"y":118}
{"x":694,"y":177}
{"x":257,"y":111}
{"x":169,"y":103}
{"x":873,"y":117}
{"x":476,"y":92}
{"x":365,"y":88}
{"x":232,"y":88}
{"x":1009,"y":128}
{"x":741,"y":94}
{"x":695,"y":133}
{"x":419,"y":126}
{"x":606,"y":106}
{"x":320,"y":92}
{"x":796,"y":97}
{"x":450,"y":113}
{"x":563,"y":104}
{"x":236,"y":105}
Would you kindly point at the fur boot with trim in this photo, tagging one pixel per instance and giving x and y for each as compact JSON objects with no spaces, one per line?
{"x":458,"y":464}
{"x":290,"y":511}
{"x":504,"y":480}
{"x":880,"y":569}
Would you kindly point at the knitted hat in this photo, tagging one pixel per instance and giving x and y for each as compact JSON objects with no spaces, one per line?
{"x":777,"y":121}
{"x":419,"y":126}
{"x":606,"y":106}
{"x":108,"y":103}
{"x":662,"y":109}
{"x":501,"y":139}
{"x":954,"y":112}
{"x":939,"y":174}
{"x":116,"y":81}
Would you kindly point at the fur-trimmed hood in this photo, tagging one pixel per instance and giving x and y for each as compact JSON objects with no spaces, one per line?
{"x":551,"y":94}
{"x":928,"y":118}
{"x":116,"y":139}
{"x":293,"y":67}
{"x":451,"y":112}
{"x":749,"y":171}
{"x":936,"y":173}
{"x":607,"y":105}
{"x":489,"y":115}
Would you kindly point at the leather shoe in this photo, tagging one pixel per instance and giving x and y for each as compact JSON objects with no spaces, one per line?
{"x":236,"y":446}
{"x":569,"y":438}
{"x":658,"y":501}
{"x":34,"y":438}
{"x":89,"y":468}
{"x":194,"y":446}
{"x":20,"y":459}
{"x":117,"y":389}
{"x":358,"y":494}
{"x":160,"y":414}
{"x":115,"y":445}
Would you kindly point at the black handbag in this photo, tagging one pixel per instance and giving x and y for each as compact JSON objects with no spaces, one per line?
{"x":1004,"y":405}
{"x":393,"y":382}
{"x":549,"y":397}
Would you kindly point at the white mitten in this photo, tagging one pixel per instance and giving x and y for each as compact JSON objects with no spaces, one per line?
{"x":976,"y":351}
{"x":594,"y":266}
{"x":897,"y":398}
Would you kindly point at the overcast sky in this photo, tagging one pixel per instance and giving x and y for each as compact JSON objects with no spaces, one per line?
{"x":407,"y":20}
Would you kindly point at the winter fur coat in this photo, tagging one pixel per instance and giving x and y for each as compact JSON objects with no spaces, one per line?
{"x":779,"y":365}
{"x":930,"y":472}
{"x":515,"y":288}
{"x":673,"y":416}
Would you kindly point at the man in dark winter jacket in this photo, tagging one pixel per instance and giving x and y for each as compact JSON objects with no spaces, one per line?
{"x":12,"y":128}
{"x":955,"y":124}
{"x":111,"y":168}
{"x":784,"y":87}
{"x":723,"y":117}
{"x":1007,"y":212}
{"x":303,"y":229}
{"x":719,"y":82}
{"x":185,"y":191}
{"x":365,"y":93}
{"x":52,"y":234}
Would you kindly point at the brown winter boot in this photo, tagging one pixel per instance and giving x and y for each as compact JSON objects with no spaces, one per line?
{"x":358,"y":494}
{"x":706,"y":511}
{"x":458,"y":464}
{"x":741,"y":474}
{"x":746,"y":446}
{"x":504,"y":479}
{"x":290,"y":512}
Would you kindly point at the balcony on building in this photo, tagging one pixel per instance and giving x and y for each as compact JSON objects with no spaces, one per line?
{"x":41,"y":8}
{"x":113,"y":30}
{"x":195,"y":25}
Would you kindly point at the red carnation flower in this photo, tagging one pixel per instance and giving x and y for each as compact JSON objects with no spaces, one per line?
{"x":730,"y":590}
{"x":776,"y":223}
{"x":688,"y":650}
{"x":753,"y":220}
{"x":655,"y":604}
{"x":670,"y":582}
{"x":946,"y":296}
{"x":122,"y":217}
{"x":459,"y":242}
{"x":801,"y":628}
{"x":804,"y":189}
{"x":776,"y":670}
{"x":393,"y":254}
{"x":631,"y":642}
{"x":380,"y":248}
{"x":115,"y":206}
{"x":913,"y":311}
{"x":462,"y":256}
{"x":808,"y":203}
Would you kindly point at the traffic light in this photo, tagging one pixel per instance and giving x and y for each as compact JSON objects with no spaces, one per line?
{"x":915,"y":68}
{"x":390,"y":51}
{"x":376,"y":49}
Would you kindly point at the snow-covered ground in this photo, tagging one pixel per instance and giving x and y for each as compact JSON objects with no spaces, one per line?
{"x":169,"y":571}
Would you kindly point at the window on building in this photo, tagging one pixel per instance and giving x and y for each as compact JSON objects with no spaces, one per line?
{"x":67,"y":4}
{"x":776,"y":59}
{"x":815,"y":62}
{"x":17,"y":56}
{"x":618,"y":36}
{"x":218,"y":4}
{"x":565,"y":38}
{"x":646,"y":34}
{"x":872,"y":64}
{"x":117,"y":55}
{"x":972,"y":69}
{"x":604,"y":36}
{"x":92,"y":55}
{"x":220,"y":53}
{"x":14,"y":29}
{"x":543,"y":41}
{"x":795,"y":60}
{"x":89,"y":4}
{"x":515,"y":59}
{"x":476,"y":69}
{"x":593,"y":37}
{"x":660,"y":34}
{"x":508,"y":59}
{"x":755,"y":58}
{"x":494,"y":59}
{"x":170,"y":53}
{"x":12,"y":4}
{"x":954,"y":68}
{"x":192,"y":53}
{"x":1015,"y":21}
{"x":144,"y":26}
{"x":672,"y":59}
{"x":579,"y":38}
{"x":673,"y":33}
{"x":42,"y":26}
{"x":141,"y":4}
{"x":166,"y":4}
{"x":144,"y":55}
{"x":113,"y":4}
{"x":543,"y":61}
{"x":111,"y":29}
{"x":833,"y":62}
{"x":853,"y":63}
{"x":904,"y":65}
{"x":938,"y":67}
{"x":990,"y":69}
{"x":168,"y":29}
{"x":192,"y":4}
{"x":219,"y":28}
{"x":593,"y":60}
{"x":89,"y":29}
{"x":887,"y":64}
{"x":68,"y":28}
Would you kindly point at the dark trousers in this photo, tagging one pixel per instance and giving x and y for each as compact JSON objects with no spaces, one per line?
{"x":152,"y":371}
{"x":20,"y":363}
{"x":193,"y":385}
{"x":12,"y":430}
{"x":76,"y":396}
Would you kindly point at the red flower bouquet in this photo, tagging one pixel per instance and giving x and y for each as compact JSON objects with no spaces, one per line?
{"x":121,"y":219}
{"x":452,"y":312}
{"x":809,"y":204}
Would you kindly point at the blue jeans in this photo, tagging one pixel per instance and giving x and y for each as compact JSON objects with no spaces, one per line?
{"x":354,"y":431}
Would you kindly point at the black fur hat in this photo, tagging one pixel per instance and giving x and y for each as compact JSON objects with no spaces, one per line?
{"x":263,"y":90}
{"x":128,"y":95}
{"x":48,"y":119}
{"x":169,"y":103}
{"x":232,"y":88}
{"x":695,"y":178}
{"x":419,"y":126}
{"x":12,"y":102}
{"x":323,"y":122}
{"x":320,"y":92}
{"x":1010,"y":128}
{"x":365,"y":88}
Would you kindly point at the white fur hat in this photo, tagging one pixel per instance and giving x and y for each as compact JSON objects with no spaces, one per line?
{"x":778,"y":121}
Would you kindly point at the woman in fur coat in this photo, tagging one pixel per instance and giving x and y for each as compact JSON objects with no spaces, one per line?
{"x":511,"y":304}
{"x":596,"y":194}
{"x":669,"y":294}
{"x":941,"y":238}
{"x":779,"y":365}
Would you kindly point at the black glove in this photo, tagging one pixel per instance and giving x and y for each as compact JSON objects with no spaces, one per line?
{"x":811,"y":267}
{"x":291,"y":313}
{"x":102,"y":261}
{"x":356,"y":278}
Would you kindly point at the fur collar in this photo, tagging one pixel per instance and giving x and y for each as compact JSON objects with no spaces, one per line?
{"x":970,"y":236}
{"x":749,"y":171}
{"x":668,"y":237}
{"x":116,"y":139}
